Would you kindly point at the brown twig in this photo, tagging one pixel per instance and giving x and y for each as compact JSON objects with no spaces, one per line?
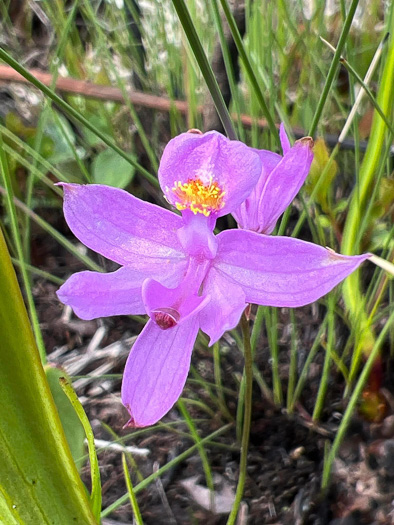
{"x":100,"y":92}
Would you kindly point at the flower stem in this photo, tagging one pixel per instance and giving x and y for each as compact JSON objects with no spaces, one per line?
{"x":248,"y":375}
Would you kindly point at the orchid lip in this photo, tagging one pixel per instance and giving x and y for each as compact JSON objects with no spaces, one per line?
{"x":166,"y":318}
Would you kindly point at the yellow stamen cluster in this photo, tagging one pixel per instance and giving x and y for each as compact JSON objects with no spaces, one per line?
{"x":198,"y":197}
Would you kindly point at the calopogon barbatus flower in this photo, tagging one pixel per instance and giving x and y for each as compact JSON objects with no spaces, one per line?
{"x":176,"y":270}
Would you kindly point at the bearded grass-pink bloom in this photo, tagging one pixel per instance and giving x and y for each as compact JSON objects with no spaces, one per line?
{"x":176,"y":270}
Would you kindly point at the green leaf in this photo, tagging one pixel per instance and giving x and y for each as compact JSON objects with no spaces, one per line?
{"x":72,"y":426}
{"x":108,"y":168}
{"x":91,"y":138}
{"x":62,"y":151}
{"x":39,"y":482}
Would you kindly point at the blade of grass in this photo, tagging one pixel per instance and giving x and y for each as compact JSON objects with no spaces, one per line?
{"x":204,"y":458}
{"x":248,"y":374}
{"x":250,"y":70}
{"x":333,"y":68}
{"x":130,"y":490}
{"x":5,"y":175}
{"x":95,"y":496}
{"x":206,"y":70}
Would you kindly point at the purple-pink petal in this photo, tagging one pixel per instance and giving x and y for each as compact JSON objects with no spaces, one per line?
{"x":281,"y":271}
{"x":123,"y":228}
{"x":156,"y":371}
{"x":284,"y":139}
{"x":211,"y":159}
{"x":180,"y":302}
{"x":225,"y":308}
{"x":247,"y":214}
{"x":283,"y":184}
{"x":95,"y":294}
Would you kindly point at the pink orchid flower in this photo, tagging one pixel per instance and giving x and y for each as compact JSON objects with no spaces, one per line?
{"x":176,"y":270}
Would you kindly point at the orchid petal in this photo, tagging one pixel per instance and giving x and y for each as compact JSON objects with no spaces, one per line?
{"x":284,"y":139}
{"x":95,"y":294}
{"x":225,"y":308}
{"x":176,"y":304}
{"x":247,"y":215}
{"x":283,"y":184}
{"x":123,"y":228}
{"x":281,"y":271}
{"x":213,"y":161}
{"x":156,"y":371}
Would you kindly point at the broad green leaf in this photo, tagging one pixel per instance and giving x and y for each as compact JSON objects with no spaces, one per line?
{"x":108,"y":168}
{"x":39,"y":482}
{"x":72,"y":426}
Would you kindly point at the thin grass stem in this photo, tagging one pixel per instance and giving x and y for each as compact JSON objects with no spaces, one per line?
{"x":248,"y":373}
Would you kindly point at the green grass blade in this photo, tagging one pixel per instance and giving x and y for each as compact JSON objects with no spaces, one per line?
{"x":6,"y":179}
{"x":130,"y":490}
{"x":333,"y":67}
{"x":250,"y":70}
{"x":95,"y":496}
{"x":206,"y":70}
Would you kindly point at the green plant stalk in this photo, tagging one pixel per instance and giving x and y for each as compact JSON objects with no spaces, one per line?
{"x":201,"y":450}
{"x":39,"y":482}
{"x":218,"y":375}
{"x":240,"y":409}
{"x":143,"y":484}
{"x":75,"y":115}
{"x":353,"y":401}
{"x":130,"y":490}
{"x":200,"y":405}
{"x":352,"y":291}
{"x":293,"y":360}
{"x":250,"y":70}
{"x":19,"y":249}
{"x":40,"y":273}
{"x":304,"y":374}
{"x":206,"y":70}
{"x":272,"y":330}
{"x":41,"y":128}
{"x":228,"y":66}
{"x":333,"y":67}
{"x":95,"y":497}
{"x":257,"y":327}
{"x":318,"y":408}
{"x":248,"y":373}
